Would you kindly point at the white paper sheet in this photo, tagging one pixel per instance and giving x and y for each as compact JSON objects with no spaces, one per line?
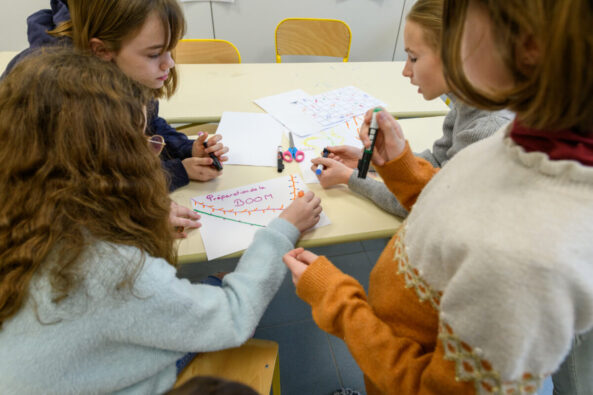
{"x":252,"y":138}
{"x":285,"y":109}
{"x":230,"y":218}
{"x":312,"y":146}
{"x":304,"y":115}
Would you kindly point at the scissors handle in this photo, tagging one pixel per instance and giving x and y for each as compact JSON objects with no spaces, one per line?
{"x":287,"y":156}
{"x":298,"y":155}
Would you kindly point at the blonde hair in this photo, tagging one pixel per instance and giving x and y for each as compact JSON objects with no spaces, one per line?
{"x":112,"y":21}
{"x":76,"y":168}
{"x":429,"y":15}
{"x":556,"y":93}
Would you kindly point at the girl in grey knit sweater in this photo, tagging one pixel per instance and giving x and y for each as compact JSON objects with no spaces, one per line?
{"x":463,"y":125}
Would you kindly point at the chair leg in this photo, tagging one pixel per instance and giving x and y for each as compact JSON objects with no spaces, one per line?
{"x":276,"y":378}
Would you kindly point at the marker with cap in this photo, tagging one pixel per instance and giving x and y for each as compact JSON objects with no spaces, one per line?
{"x":320,"y":167}
{"x":215,"y":162}
{"x":364,"y":163}
{"x":280,"y":161}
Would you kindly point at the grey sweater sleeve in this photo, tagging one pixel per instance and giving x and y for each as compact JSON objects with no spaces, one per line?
{"x":378,"y":193}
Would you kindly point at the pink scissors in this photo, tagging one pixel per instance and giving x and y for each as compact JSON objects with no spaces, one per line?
{"x":292,"y":152}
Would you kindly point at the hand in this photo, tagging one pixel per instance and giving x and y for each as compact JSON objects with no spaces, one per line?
{"x":214,"y":145}
{"x":297,"y":261}
{"x":303,"y":212}
{"x":200,"y":169}
{"x":334,"y":173}
{"x":181,"y":218}
{"x":389,"y":142}
{"x":346,"y":154}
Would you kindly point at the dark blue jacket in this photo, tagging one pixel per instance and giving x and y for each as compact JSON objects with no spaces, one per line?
{"x":178,"y":146}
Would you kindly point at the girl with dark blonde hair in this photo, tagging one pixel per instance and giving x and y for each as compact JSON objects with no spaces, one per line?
{"x":490,"y":278}
{"x":89,"y":298}
{"x":138,"y":36}
{"x":463,"y":125}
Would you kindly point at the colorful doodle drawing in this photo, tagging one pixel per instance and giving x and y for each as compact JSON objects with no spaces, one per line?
{"x":250,"y":196}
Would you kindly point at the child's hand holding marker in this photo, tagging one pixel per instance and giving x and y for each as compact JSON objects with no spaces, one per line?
{"x":204,"y":147}
{"x":389,"y":142}
{"x":334,"y":172}
{"x":303,"y":212}
{"x":346,"y":154}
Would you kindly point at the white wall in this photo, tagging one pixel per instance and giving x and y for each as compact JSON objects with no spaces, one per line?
{"x":376,"y":24}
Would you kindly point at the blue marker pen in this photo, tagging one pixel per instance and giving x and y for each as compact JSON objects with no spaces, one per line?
{"x":364,"y":163}
{"x":320,"y":166}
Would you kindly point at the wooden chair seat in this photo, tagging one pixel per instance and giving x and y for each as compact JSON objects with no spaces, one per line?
{"x":255,"y":364}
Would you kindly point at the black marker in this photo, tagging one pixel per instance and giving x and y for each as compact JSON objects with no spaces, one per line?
{"x":364,"y":163}
{"x":215,"y":162}
{"x":280,"y":162}
{"x":320,"y":167}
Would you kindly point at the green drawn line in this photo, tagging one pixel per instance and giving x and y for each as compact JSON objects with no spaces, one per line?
{"x":229,"y":219}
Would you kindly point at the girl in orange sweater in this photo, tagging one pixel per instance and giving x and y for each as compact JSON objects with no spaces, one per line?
{"x":475,"y":294}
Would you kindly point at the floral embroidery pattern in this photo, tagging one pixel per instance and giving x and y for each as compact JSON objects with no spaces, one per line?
{"x":411,"y":275}
{"x":469,"y":365}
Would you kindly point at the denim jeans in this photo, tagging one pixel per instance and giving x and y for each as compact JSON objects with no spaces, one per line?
{"x":575,"y":376}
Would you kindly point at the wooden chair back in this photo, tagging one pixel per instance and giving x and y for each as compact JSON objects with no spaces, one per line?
{"x":196,"y":51}
{"x":311,"y":36}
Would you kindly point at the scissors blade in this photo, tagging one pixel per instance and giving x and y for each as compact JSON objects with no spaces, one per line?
{"x":291,"y":141}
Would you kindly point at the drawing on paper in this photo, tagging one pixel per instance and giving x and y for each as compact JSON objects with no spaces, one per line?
{"x":256,"y":200}
{"x":230,"y":218}
{"x":338,"y":105}
{"x":345,"y":133}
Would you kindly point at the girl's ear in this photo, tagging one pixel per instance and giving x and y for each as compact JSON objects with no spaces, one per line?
{"x":98,"y":48}
{"x":528,"y":52}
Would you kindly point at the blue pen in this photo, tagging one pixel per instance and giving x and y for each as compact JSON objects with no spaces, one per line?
{"x":320,"y":167}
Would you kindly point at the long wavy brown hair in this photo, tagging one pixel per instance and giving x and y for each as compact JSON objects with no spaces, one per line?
{"x":76,"y":169}
{"x":113,"y":21}
{"x":556,"y":93}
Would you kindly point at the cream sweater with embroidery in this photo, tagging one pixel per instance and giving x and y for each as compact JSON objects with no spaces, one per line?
{"x":483,"y":288}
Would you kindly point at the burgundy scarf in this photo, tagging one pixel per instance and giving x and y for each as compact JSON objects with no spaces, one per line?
{"x":562,"y":144}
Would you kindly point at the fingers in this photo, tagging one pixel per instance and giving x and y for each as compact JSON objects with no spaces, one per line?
{"x":291,"y":261}
{"x":294,"y":252}
{"x":306,"y":256}
{"x":214,"y":143}
{"x":308,"y":196}
{"x":199,"y":161}
{"x":337,"y":149}
{"x":202,"y":136}
{"x":323,"y":161}
{"x":218,"y":150}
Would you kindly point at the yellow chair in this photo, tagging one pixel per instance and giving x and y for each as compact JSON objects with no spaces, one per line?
{"x":255,"y":364}
{"x":311,"y":36}
{"x":196,"y":51}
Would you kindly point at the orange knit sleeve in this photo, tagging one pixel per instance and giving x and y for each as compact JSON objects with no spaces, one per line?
{"x":393,"y":364}
{"x":406,"y":176}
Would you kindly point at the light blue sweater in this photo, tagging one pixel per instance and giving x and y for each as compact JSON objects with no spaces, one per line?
{"x":104,"y":340}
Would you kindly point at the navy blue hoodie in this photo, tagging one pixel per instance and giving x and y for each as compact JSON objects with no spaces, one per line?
{"x":178,"y":146}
